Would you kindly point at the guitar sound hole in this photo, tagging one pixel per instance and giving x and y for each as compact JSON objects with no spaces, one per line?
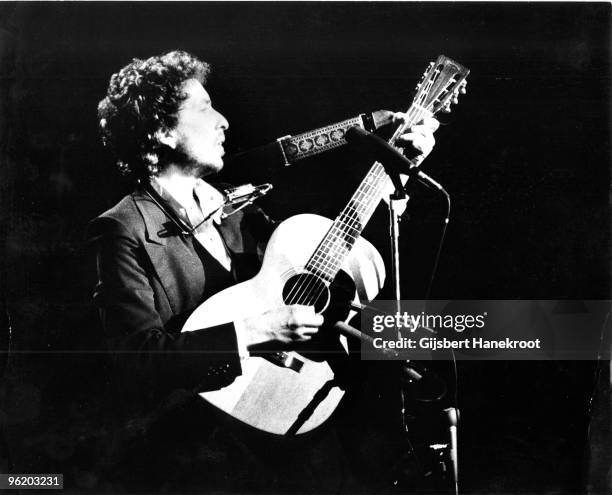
{"x":306,"y":289}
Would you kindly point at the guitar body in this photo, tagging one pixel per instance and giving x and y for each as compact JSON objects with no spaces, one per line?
{"x":292,"y":393}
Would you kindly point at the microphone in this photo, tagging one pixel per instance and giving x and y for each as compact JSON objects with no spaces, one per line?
{"x":380,"y":150}
{"x":392,"y":159}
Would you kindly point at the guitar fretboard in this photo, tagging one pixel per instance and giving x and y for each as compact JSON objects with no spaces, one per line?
{"x":348,"y":226}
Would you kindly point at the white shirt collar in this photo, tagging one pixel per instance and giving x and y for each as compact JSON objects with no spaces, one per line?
{"x":208,"y":197}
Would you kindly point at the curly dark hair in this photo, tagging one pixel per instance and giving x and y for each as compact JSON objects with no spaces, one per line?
{"x":142,"y":99}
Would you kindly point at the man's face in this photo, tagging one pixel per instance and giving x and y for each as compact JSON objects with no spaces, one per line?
{"x":200,"y":131}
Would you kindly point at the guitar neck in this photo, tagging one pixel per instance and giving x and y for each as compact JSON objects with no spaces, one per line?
{"x":348,"y":226}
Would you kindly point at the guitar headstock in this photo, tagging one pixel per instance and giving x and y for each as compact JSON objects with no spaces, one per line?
{"x":442,"y":83}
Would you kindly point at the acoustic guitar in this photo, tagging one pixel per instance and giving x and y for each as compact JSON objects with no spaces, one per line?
{"x":308,"y":260}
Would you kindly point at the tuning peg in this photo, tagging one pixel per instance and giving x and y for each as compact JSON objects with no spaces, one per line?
{"x":455,"y":99}
{"x":431,"y":64}
{"x":446,"y":109}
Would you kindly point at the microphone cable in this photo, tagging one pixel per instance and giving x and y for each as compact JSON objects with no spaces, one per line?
{"x":433,"y":184}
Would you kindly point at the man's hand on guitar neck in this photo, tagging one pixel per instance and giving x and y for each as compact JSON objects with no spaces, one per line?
{"x":286,"y":326}
{"x":419,"y":141}
{"x":416,"y":144}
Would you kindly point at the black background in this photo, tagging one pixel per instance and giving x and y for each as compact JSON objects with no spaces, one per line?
{"x":525,"y":157}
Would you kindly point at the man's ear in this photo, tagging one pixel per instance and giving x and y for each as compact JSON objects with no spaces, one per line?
{"x":167,"y":137}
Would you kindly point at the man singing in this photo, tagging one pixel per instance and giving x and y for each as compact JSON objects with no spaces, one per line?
{"x":162,"y":251}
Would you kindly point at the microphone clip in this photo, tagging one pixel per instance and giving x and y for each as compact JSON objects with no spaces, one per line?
{"x":237,"y":198}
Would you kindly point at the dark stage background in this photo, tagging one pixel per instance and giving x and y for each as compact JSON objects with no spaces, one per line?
{"x":525,"y":156}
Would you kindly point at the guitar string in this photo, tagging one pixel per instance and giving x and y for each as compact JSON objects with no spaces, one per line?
{"x":301,"y":292}
{"x":355,"y":211}
{"x":347,"y":229}
{"x":337,"y":232}
{"x":327,"y":243}
{"x":310,"y":286}
{"x":336,"y":240}
{"x":353,"y":216}
{"x":341,"y":237}
{"x":313,"y":263}
{"x":417,"y":110}
{"x":316,"y":264}
{"x":305,"y":290}
{"x":411,"y":120}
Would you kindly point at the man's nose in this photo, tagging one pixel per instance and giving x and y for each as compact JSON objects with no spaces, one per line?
{"x":223,"y":123}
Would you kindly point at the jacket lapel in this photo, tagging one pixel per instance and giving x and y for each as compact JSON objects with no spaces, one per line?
{"x":156,"y":228}
{"x":177,"y":265}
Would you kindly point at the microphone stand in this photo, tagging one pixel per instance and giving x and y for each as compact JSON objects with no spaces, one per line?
{"x":396,"y":208}
{"x":452,"y":416}
{"x":395,"y":212}
{"x":394,"y":162}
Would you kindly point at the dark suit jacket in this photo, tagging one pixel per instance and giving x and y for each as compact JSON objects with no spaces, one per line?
{"x":150,"y":279}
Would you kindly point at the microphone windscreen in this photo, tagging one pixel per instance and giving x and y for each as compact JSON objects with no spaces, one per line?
{"x":377,"y":148}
